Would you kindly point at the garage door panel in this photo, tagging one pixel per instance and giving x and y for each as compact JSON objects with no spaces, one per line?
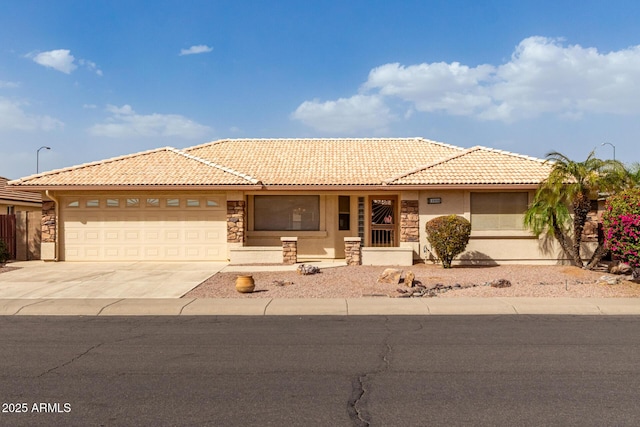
{"x":112,"y":235}
{"x":133,"y":253}
{"x":132,"y":236}
{"x":112,"y":253}
{"x":172,"y":235}
{"x":136,"y":233}
{"x":92,"y":251}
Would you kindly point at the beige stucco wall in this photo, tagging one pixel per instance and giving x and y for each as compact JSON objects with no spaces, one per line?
{"x":19,"y":207}
{"x":327,"y":243}
{"x":501,"y":247}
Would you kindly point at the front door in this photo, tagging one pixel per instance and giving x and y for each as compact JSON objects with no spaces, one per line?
{"x":383,"y":221}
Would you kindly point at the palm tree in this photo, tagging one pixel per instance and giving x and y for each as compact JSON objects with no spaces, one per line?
{"x":572,"y":184}
{"x":548,"y":214}
{"x":633,"y":175}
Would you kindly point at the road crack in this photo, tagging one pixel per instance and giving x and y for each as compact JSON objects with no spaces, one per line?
{"x":357,"y":405}
{"x":69,"y":361}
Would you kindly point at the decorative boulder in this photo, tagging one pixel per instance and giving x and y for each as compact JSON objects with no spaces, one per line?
{"x":409,"y":278}
{"x":500,"y":283}
{"x":621,"y":268}
{"x":609,"y":280}
{"x":390,"y":276}
{"x":305,"y":269}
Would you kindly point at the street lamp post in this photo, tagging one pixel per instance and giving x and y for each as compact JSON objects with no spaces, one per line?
{"x":38,"y":157}
{"x":614,"y":149}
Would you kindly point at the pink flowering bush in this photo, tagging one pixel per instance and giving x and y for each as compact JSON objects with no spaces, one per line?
{"x":621,"y":223}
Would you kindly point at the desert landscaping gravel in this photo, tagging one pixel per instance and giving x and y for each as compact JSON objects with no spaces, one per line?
{"x":361,"y":281}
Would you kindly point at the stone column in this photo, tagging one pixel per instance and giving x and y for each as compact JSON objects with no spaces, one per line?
{"x":235,"y":221}
{"x":48,"y":226}
{"x":289,"y":250}
{"x":353,"y":250}
{"x":409,"y":221}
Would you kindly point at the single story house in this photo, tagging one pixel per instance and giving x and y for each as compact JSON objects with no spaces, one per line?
{"x":363,"y":199}
{"x":20,"y":213}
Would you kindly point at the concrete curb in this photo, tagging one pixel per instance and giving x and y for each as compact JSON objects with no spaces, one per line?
{"x":319,"y":306}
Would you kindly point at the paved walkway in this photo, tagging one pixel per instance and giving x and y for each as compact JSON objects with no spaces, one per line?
{"x":319,"y":306}
{"x":47,"y":280}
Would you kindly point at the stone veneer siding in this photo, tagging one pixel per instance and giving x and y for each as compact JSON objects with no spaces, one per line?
{"x":289,"y":250}
{"x":235,"y":221}
{"x":48,"y":222}
{"x":592,"y":231}
{"x":409,"y":221}
{"x":353,"y":250}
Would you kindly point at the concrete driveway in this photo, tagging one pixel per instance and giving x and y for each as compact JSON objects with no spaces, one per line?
{"x":38,"y":279}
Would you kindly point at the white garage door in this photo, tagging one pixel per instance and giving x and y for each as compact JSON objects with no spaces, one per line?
{"x":145,"y":228}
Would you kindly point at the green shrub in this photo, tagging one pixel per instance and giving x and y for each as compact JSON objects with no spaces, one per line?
{"x":4,"y":252}
{"x":448,"y":236}
{"x":621,"y":223}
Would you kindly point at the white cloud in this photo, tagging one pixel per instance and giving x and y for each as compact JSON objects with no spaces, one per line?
{"x":91,"y":66}
{"x":62,"y":60}
{"x":59,"y":59}
{"x":452,"y":87}
{"x":346,"y":115}
{"x":542,"y":76}
{"x":201,"y":48}
{"x":13,"y":117}
{"x":125,"y":110}
{"x":8,"y":85}
{"x":125,"y":122}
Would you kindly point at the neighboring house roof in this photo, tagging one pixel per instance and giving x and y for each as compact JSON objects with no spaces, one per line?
{"x":12,"y":196}
{"x":160,"y":167}
{"x":477,"y":166}
{"x":302,"y":162}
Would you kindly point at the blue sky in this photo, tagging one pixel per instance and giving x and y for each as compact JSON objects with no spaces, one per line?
{"x":98,"y":79}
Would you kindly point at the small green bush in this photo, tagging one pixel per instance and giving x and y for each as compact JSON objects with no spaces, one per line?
{"x":448,"y":236}
{"x":4,"y":252}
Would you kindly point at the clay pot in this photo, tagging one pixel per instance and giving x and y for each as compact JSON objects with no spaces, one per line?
{"x":245,"y":284}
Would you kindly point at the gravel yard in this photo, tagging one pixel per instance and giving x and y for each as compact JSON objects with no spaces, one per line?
{"x":361,"y":281}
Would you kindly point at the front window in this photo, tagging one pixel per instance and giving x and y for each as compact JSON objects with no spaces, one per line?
{"x":498,"y":211}
{"x":284,"y":213}
{"x":344,"y":213}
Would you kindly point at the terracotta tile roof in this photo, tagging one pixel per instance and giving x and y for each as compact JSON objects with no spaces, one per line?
{"x":303,"y":162}
{"x":162,"y":166}
{"x":10,"y":195}
{"x":354,"y":161}
{"x":478,"y":165}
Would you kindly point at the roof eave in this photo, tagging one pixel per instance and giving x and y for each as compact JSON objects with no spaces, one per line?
{"x":136,"y":187}
{"x":19,"y":202}
{"x":395,"y":187}
{"x":528,"y":186}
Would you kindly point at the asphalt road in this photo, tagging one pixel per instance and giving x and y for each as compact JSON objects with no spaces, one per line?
{"x":324,"y":371}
